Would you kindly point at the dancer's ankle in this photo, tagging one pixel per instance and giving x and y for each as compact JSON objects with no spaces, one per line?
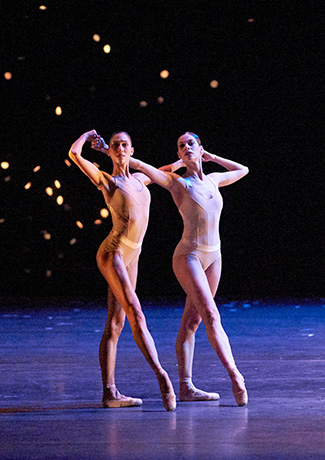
{"x":186,"y":381}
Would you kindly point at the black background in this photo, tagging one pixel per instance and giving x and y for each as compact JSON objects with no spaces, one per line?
{"x":265,"y":114}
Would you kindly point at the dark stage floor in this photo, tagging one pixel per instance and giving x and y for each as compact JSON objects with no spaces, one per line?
{"x":50,"y":385}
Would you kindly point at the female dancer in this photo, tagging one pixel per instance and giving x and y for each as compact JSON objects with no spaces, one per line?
{"x":197,"y":257}
{"x":128,"y":199}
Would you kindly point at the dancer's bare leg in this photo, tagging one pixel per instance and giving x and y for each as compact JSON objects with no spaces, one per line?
{"x":107,"y":355}
{"x":186,"y":341}
{"x":194,"y":281}
{"x":113,"y":269}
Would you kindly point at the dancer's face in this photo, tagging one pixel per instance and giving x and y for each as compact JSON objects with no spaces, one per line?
{"x":120,"y":148}
{"x":188,"y":148}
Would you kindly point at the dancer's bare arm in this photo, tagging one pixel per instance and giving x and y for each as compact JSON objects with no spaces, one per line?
{"x":87,"y":167}
{"x":235,"y":170}
{"x":162,"y":178}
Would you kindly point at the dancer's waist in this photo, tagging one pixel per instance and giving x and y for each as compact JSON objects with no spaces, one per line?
{"x":202,"y":247}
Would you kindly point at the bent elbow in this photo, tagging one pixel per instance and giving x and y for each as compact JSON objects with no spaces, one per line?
{"x":72,"y":155}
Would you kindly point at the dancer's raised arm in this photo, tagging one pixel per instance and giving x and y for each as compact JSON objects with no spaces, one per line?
{"x":86,"y":166}
{"x":163,"y":177}
{"x":235,"y":170}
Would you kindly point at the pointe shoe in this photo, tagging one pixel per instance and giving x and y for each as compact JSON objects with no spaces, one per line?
{"x":113,"y":398}
{"x":238,"y":388}
{"x":169,"y":401}
{"x":168,"y":398}
{"x":191,"y":394}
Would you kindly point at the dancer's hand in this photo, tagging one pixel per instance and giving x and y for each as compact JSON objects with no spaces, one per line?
{"x":206,"y":156}
{"x":98,"y":143}
{"x":90,"y":135}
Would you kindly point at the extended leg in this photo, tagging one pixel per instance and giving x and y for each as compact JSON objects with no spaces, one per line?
{"x":107,"y":356}
{"x":194,"y":281}
{"x":186,"y":340}
{"x":113,"y":269}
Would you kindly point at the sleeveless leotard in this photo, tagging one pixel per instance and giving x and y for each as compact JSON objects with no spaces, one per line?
{"x":201,"y":215}
{"x":129,"y":206}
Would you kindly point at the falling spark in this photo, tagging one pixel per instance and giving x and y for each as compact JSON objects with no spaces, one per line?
{"x":43,"y":7}
{"x":37,"y":168}
{"x":96,"y":38}
{"x":251,"y":20}
{"x":4,"y":165}
{"x":97,"y":222}
{"x":164,"y":74}
{"x":214,"y":84}
{"x":48,"y":273}
{"x":79,"y":224}
{"x":58,"y":110}
{"x":67,"y":162}
{"x":59,"y":200}
{"x":143,"y":104}
{"x":46,"y":235}
{"x":2,"y":221}
{"x":49,"y":191}
{"x":107,"y":49}
{"x":28,"y":185}
{"x":8,"y":76}
{"x":57,"y":184}
{"x":104,"y":213}
{"x":160,"y":100}
{"x":73,"y":241}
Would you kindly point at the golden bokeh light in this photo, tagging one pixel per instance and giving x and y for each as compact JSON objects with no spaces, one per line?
{"x":37,"y":168}
{"x":67,"y":162}
{"x":4,"y":165}
{"x":214,"y":84}
{"x":47,"y":236}
{"x":73,"y":241}
{"x":96,"y":38}
{"x":49,"y":191}
{"x":96,"y":222}
{"x":164,"y":74}
{"x":2,"y":221}
{"x":143,"y":104}
{"x":160,"y":100}
{"x":28,"y":185}
{"x":8,"y":75}
{"x":59,"y":200}
{"x":48,"y":273}
{"x":43,"y":7}
{"x":57,"y":184}
{"x":79,"y":224}
{"x":104,"y":213}
{"x":107,"y":49}
{"x":58,"y":110}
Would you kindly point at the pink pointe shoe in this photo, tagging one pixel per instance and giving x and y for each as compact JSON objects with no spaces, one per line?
{"x":169,"y":401}
{"x":168,"y":396}
{"x":189,"y":393}
{"x":113,"y":398}
{"x":238,"y":387}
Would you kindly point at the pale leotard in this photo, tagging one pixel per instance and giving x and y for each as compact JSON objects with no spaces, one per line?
{"x":129,"y":204}
{"x":201,"y":215}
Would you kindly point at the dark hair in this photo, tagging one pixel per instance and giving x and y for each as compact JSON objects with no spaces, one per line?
{"x":118,"y":132}
{"x":198,"y":140}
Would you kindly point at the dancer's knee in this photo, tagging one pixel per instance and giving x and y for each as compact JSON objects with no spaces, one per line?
{"x":135,"y":316}
{"x":188,"y":327}
{"x":211,"y":318}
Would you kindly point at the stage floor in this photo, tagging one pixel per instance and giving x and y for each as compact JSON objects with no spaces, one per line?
{"x":50,"y":385}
